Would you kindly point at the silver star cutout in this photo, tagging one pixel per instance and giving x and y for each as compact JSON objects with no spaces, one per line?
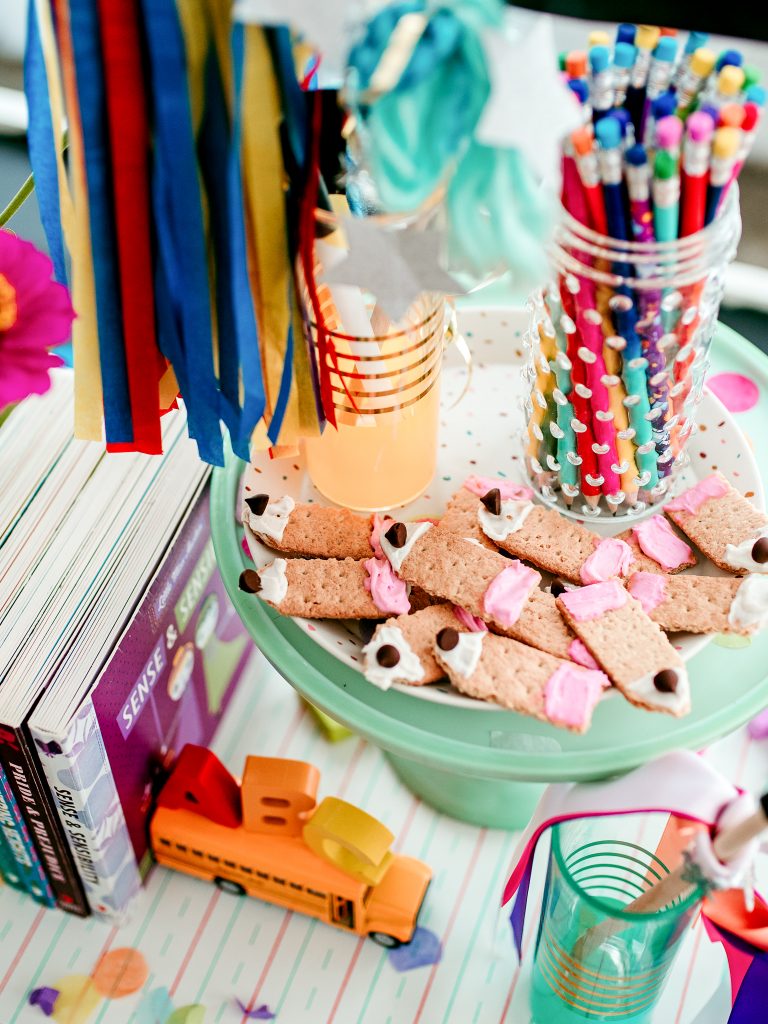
{"x":395,"y":266}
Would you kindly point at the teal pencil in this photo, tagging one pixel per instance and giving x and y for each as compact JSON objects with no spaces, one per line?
{"x":562,"y":429}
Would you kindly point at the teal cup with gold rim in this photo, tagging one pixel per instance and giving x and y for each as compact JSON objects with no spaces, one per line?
{"x":594,"y":960}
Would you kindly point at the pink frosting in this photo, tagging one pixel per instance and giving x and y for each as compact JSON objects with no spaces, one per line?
{"x":612,"y":557}
{"x":510,"y":491}
{"x":507,"y":593}
{"x":692,"y":499}
{"x":472,"y":622}
{"x":659,"y":541}
{"x":571,"y":693}
{"x":578,"y":652}
{"x":649,"y":588}
{"x":389,"y":592}
{"x":593,"y":601}
{"x":379,"y":525}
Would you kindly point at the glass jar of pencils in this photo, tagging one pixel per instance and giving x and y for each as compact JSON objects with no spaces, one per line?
{"x":596,"y":959}
{"x":618,"y":348}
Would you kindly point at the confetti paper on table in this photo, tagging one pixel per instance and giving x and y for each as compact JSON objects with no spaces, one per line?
{"x":262,"y":1012}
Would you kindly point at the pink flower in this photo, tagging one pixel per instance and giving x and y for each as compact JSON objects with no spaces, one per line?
{"x":35,"y":315}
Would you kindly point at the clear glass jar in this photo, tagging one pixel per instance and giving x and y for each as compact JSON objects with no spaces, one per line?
{"x":594,"y":960}
{"x":618,"y":349}
{"x":384,"y":376}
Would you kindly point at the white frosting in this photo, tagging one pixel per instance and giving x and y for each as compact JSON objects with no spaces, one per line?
{"x":749,"y":608}
{"x":509,"y":520}
{"x":397,"y":556}
{"x":274,"y":582}
{"x":407,"y":670}
{"x":462,"y":660}
{"x":739,"y":556}
{"x":273,"y":520}
{"x":677,"y":703}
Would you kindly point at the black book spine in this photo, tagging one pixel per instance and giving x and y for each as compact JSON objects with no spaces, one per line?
{"x":34,"y":799}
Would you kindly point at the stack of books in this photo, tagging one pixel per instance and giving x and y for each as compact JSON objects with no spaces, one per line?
{"x":118,"y":645}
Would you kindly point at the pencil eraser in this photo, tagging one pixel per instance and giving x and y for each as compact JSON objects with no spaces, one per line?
{"x":700,"y":126}
{"x":702,"y":62}
{"x":647,"y":36}
{"x":636,"y":155}
{"x":725,"y":142}
{"x":733,"y":57}
{"x":730,"y":80}
{"x":625,"y":33}
{"x":579,"y":88}
{"x":756,"y":94}
{"x":576,"y":64}
{"x":608,"y":132}
{"x":624,"y":54}
{"x":695,"y":40}
{"x":582,"y":140}
{"x":666,"y":49}
{"x":599,"y":59}
{"x":664,"y":105}
{"x":669,"y":131}
{"x":731,"y":115}
{"x":751,"y":117}
{"x":624,"y":118}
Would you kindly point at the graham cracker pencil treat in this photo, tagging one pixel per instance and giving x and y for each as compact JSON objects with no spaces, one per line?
{"x":329,"y":588}
{"x":401,"y":649}
{"x":552,"y":542}
{"x":312,"y":531}
{"x":723,"y":524}
{"x":703,"y":604}
{"x":629,"y":647}
{"x":520,"y":678}
{"x":502,"y":592}
{"x":460,"y":515}
{"x":657,"y":547}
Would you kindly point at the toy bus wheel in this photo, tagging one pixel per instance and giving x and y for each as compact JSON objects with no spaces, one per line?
{"x":382,"y":939}
{"x":227,"y":885}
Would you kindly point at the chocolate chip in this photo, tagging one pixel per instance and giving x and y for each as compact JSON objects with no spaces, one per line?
{"x":397,"y":535}
{"x":557,"y":588}
{"x":258,"y":503}
{"x":447,"y":639}
{"x":666,"y":680}
{"x":492,"y":501}
{"x":760,"y":550}
{"x":387,"y":656}
{"x":249,"y":581}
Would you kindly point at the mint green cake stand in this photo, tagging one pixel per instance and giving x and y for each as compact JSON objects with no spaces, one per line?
{"x":488,"y":767}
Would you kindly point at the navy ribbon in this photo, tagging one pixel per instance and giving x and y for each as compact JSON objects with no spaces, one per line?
{"x":180,"y":231}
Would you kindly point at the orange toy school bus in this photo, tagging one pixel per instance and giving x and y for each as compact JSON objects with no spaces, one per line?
{"x":267,"y":838}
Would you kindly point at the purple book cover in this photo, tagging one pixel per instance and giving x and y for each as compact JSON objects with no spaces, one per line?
{"x":173,"y":671}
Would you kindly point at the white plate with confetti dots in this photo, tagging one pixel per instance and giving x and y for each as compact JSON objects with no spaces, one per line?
{"x":482,"y":435}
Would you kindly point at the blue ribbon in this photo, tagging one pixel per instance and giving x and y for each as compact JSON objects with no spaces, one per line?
{"x":86,"y":43}
{"x":42,"y":145}
{"x":246,"y":331}
{"x":179,"y":225}
{"x":284,"y":394}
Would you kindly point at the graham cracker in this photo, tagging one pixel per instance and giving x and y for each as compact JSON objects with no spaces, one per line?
{"x":697,"y":604}
{"x":328,"y":588}
{"x":629,"y":646}
{"x":460,"y":517}
{"x":419,"y":631}
{"x":644,"y":563}
{"x":719,"y":522}
{"x":552,"y":542}
{"x":510,"y":674}
{"x":316,"y":531}
{"x":453,"y":569}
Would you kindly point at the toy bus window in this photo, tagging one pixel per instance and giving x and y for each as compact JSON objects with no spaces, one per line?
{"x":230,"y":863}
{"x":343,"y":912}
{"x":262,"y":874}
{"x":271,"y":819}
{"x":180,"y":847}
{"x":295,"y":885}
{"x":280,"y":881}
{"x":314,"y":892}
{"x":198,"y":853}
{"x":275,"y":801}
{"x":164,"y":842}
{"x":248,"y":871}
{"x":211,"y":857}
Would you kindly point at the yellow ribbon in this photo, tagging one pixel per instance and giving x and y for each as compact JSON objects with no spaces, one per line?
{"x":73,"y":211}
